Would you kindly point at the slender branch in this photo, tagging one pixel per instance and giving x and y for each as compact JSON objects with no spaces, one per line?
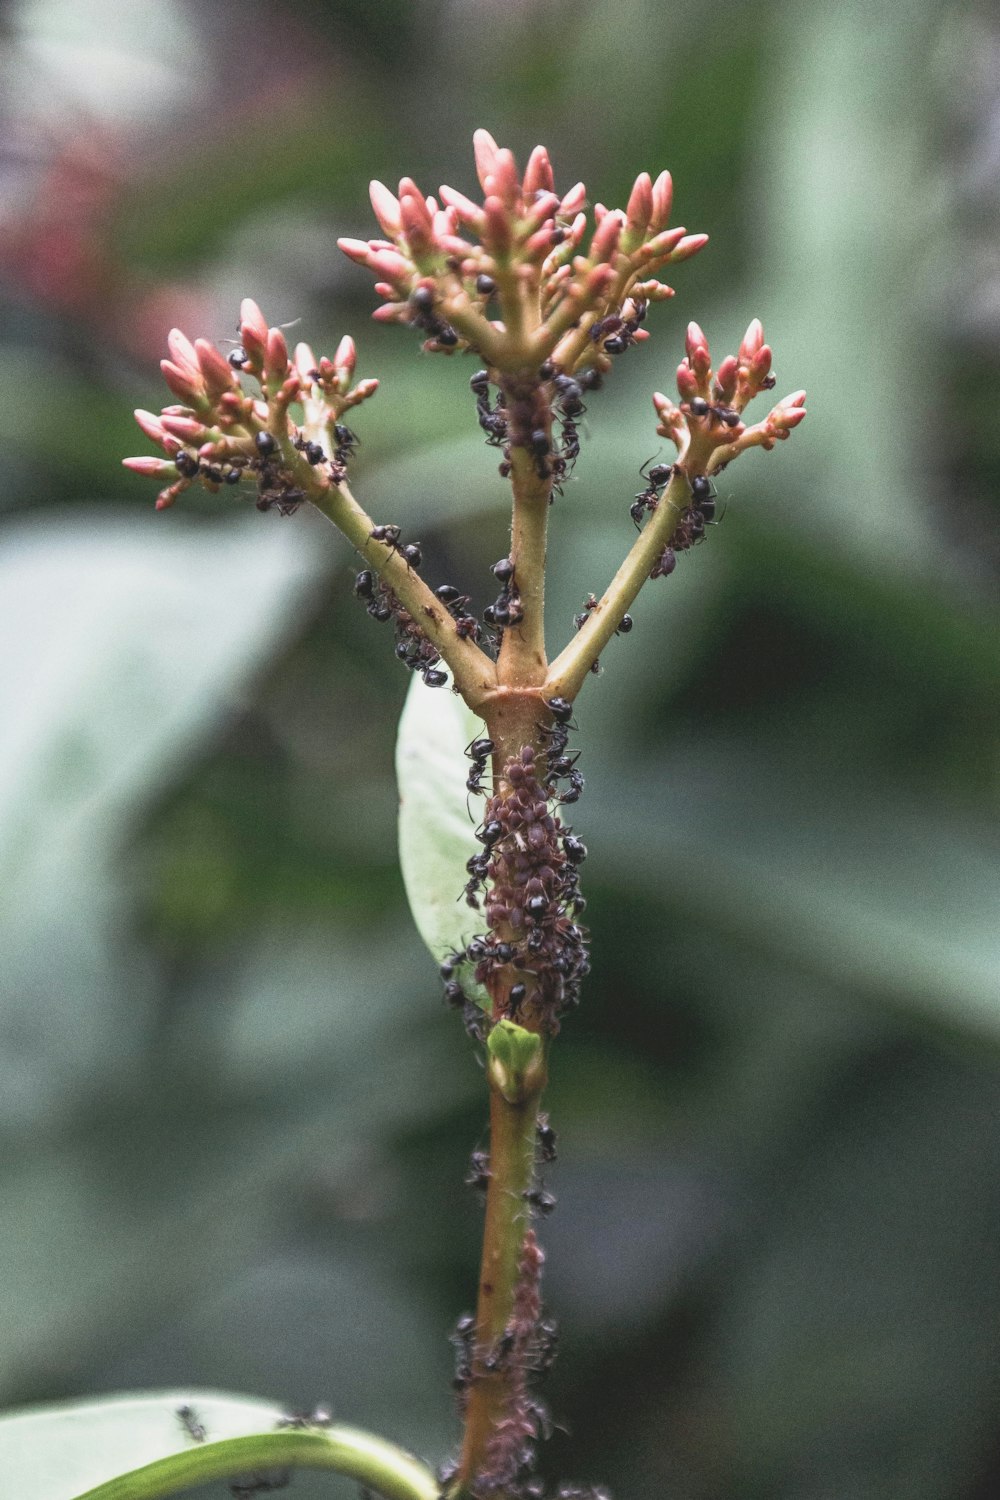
{"x":512,"y":1166}
{"x":377,"y":1465}
{"x":522,"y":660}
{"x":569,"y":670}
{"x":474,"y":673}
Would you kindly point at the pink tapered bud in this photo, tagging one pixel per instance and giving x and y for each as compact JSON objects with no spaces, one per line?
{"x":496,"y":229}
{"x":180,"y":383}
{"x":386,"y":207}
{"x":663,"y":197}
{"x":660,"y":246}
{"x":689,"y":245}
{"x":538,"y":245}
{"x":468,"y":212}
{"x":305,"y":362}
{"x":417,"y":224}
{"x":538,"y":173}
{"x":753,"y":341}
{"x":687,"y":381}
{"x":182,"y":352}
{"x":252,"y":320}
{"x":503,"y":178}
{"x":697,"y":350}
{"x":486,"y":152}
{"x":542,"y":209}
{"x":150,"y":424}
{"x":573,"y":201}
{"x":149,"y":467}
{"x":276,"y":354}
{"x":640,"y":203}
{"x":760,"y":365}
{"x":597,"y":281}
{"x":167,"y":497}
{"x":364,"y":389}
{"x":788,"y":413}
{"x":185,"y":428}
{"x":726,"y":377}
{"x":215,"y":368}
{"x":606,"y":236}
{"x":346,"y":356}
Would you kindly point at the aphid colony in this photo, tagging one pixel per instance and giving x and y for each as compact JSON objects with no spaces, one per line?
{"x":691,"y":522}
{"x":524,"y":1353}
{"x":525,"y":420}
{"x":275,"y":489}
{"x":527,"y":877}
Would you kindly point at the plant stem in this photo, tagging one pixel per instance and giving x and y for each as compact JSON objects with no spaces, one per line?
{"x":475,"y":675}
{"x":512,"y":1167}
{"x":569,"y":670}
{"x":373,"y":1463}
{"x":522,"y":661}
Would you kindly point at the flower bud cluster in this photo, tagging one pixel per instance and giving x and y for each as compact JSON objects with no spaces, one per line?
{"x":221,"y":433}
{"x":562,"y":292}
{"x":707,"y":426}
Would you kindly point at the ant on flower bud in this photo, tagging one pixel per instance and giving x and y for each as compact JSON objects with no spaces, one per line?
{"x":187,"y":465}
{"x":698,"y":406}
{"x":237,"y":357}
{"x":266,"y":444}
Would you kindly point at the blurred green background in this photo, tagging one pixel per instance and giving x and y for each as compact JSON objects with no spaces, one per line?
{"x":234,"y":1115}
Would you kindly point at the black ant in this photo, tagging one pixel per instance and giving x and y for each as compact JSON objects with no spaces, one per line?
{"x":478,"y":868}
{"x":347,"y":441}
{"x":188,"y":1418}
{"x":581,"y":619}
{"x":546,"y":1139}
{"x":649,"y":498}
{"x":389,"y":534}
{"x":479,"y":752}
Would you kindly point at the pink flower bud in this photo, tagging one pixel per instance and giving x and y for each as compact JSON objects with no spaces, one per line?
{"x":661,"y":246}
{"x":504,"y":178}
{"x":496,"y":230}
{"x":181,"y":384}
{"x":391,"y":266}
{"x":167,"y":497}
{"x":217,"y":370}
{"x":753,"y":340}
{"x":252,"y":320}
{"x":687,"y":381}
{"x":663,"y":196}
{"x":695,"y":342}
{"x":542,"y":209}
{"x":538,"y":173}
{"x":150,"y":424}
{"x":386,"y":206}
{"x":689,"y":245}
{"x":417,"y":224}
{"x":148,"y":467}
{"x":760,"y":364}
{"x":486,"y":151}
{"x":538,"y":245}
{"x":276,"y":356}
{"x":468,"y":212}
{"x":185,"y":428}
{"x":726,"y":377}
{"x":365,"y":388}
{"x":183,"y":354}
{"x":606,"y":236}
{"x":346,"y":356}
{"x":640,"y":203}
{"x":305,"y":362}
{"x":573,"y":201}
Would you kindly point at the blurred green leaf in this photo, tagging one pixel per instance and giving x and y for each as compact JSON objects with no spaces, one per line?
{"x":436,"y":831}
{"x":57,"y":1452}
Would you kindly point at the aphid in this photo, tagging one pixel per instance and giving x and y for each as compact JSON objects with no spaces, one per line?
{"x":478,"y":1175}
{"x":541,"y":1201}
{"x":188,"y":1418}
{"x":664,"y":564}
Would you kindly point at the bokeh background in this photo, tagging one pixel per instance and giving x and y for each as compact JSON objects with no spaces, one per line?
{"x":234,"y":1115}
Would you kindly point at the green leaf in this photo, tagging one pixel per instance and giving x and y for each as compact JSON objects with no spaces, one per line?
{"x":137,"y":1447}
{"x":57,"y":1451}
{"x":436,"y":832}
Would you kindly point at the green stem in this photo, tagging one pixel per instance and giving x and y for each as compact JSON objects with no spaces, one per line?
{"x":513,"y":1118}
{"x":475,"y":675}
{"x":568,"y":672}
{"x":521,"y":662}
{"x":377,"y":1465}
